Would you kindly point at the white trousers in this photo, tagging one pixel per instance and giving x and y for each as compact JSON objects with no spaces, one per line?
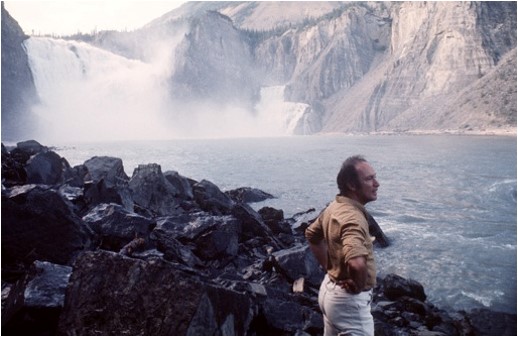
{"x":345,"y":314}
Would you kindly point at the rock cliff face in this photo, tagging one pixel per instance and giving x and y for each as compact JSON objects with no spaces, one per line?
{"x":18,"y":91}
{"x":352,"y":66}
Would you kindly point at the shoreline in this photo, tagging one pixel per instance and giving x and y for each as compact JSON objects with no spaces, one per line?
{"x":504,"y":132}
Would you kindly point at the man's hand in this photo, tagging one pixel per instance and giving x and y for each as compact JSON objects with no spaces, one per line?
{"x":349,"y":286}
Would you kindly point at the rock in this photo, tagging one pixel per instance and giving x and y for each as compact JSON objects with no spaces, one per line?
{"x":181,"y":184}
{"x":211,"y":198}
{"x":31,"y":147}
{"x":100,"y":192}
{"x":116,"y":227}
{"x":108,"y":169}
{"x":37,"y":224}
{"x":40,"y":298}
{"x":110,"y":294}
{"x":396,"y":286}
{"x":489,"y":323}
{"x":375,"y":230}
{"x":299,"y":262}
{"x":152,"y":191}
{"x":47,"y":168}
{"x":248,"y":195}
{"x":13,"y":172}
{"x":274,"y":219}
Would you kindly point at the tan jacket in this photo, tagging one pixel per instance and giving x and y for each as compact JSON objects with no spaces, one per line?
{"x":343,"y":224}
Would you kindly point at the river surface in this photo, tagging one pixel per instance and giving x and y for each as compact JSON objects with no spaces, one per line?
{"x":446,"y":202}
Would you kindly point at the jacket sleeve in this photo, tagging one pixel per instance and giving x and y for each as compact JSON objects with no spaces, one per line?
{"x":314,"y":233}
{"x":353,"y":239}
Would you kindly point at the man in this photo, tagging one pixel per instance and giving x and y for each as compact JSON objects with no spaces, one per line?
{"x":339,"y":238}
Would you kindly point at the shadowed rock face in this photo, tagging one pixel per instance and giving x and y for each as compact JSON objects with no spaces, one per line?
{"x":109,"y":290}
{"x":18,"y":90}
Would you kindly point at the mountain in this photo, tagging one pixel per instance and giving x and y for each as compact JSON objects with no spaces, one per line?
{"x":335,"y":66}
{"x":18,"y":90}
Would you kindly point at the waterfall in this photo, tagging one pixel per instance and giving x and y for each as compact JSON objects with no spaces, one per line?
{"x":88,"y":93}
{"x":91,"y":94}
{"x":284,"y":117}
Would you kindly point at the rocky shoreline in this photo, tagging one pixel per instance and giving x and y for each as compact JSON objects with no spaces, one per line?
{"x":87,"y":250}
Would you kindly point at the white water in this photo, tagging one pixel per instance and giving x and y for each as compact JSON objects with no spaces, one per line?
{"x":90,"y":94}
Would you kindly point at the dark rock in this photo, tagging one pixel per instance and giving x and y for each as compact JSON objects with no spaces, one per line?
{"x":274,"y":219}
{"x":298,"y":262}
{"x":396,"y":286}
{"x":110,"y":294}
{"x":18,"y":90}
{"x":108,"y":169}
{"x":46,"y":285}
{"x":13,"y":172}
{"x":173,"y":249}
{"x":116,"y":226}
{"x":152,"y":191}
{"x":211,"y":198}
{"x":47,"y":168}
{"x":248,"y":195}
{"x":35,"y":303}
{"x":375,"y":230}
{"x":101,"y":192}
{"x":31,"y":147}
{"x":37,"y":224}
{"x":489,"y":323}
{"x":183,"y":188}
{"x":252,"y":224}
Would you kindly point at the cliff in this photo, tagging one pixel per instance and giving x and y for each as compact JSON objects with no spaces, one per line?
{"x":18,"y":90}
{"x":341,"y":66}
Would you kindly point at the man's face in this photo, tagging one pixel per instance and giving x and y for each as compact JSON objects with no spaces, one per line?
{"x":368,"y":189}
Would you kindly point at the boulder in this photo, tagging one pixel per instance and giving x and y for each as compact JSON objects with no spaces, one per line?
{"x":375,"y":230}
{"x":395,"y":286}
{"x":30,"y":147}
{"x":13,"y":172}
{"x":248,"y":195}
{"x":34,"y":303}
{"x":116,"y":226}
{"x":47,"y":168}
{"x":211,"y":198}
{"x":299,"y":262}
{"x":109,"y":169}
{"x":274,"y":219}
{"x":109,"y":294}
{"x":152,"y":191}
{"x":211,"y":236}
{"x":181,"y":184}
{"x":38,"y":224}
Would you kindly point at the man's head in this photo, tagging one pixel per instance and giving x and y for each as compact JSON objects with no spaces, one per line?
{"x":357,"y":180}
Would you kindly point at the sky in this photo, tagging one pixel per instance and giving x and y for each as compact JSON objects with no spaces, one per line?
{"x":85,"y":16}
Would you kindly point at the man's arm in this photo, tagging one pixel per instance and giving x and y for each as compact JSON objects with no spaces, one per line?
{"x":357,"y":270}
{"x":320,"y":252}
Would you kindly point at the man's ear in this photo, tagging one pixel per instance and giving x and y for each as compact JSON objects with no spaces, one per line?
{"x":352,"y":187}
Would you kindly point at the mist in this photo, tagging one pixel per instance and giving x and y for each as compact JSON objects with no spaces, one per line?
{"x":90,"y":94}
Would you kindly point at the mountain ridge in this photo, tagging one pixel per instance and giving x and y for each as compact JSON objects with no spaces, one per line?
{"x":358,"y":67}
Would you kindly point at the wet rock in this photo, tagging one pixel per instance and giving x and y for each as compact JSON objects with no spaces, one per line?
{"x":211,"y":198}
{"x":396,"y":286}
{"x":47,"y":168}
{"x":35,"y":302}
{"x":109,"y":294}
{"x":248,"y":195}
{"x":181,"y":184}
{"x":108,"y":169}
{"x":489,"y":323}
{"x":116,"y":227}
{"x":152,"y":191}
{"x":37,"y":224}
{"x":299,"y":262}
{"x":274,"y":219}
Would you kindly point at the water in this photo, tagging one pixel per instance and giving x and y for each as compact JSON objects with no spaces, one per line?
{"x":90,"y":93}
{"x":448,"y":203}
